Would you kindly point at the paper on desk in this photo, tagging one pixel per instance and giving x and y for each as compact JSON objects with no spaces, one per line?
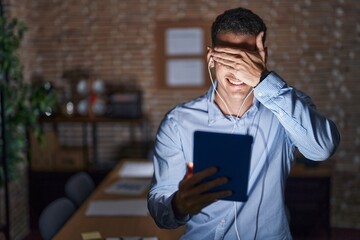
{"x":128,"y":207}
{"x":91,"y":236}
{"x":137,"y":169}
{"x":129,"y":186}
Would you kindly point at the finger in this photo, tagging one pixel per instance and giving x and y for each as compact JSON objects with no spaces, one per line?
{"x":189,"y":167}
{"x":233,"y":60}
{"x":206,"y":186}
{"x":201,"y":175}
{"x":245,"y":62}
{"x":233,"y":51}
{"x":225,"y":62}
{"x":197,"y":177}
{"x":204,"y":200}
{"x":232,"y":56}
{"x":228,"y":50}
{"x":212,"y":197}
{"x":190,"y":191}
{"x":254,"y":59}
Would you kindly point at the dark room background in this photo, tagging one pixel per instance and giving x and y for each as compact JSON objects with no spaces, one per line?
{"x":313,"y":44}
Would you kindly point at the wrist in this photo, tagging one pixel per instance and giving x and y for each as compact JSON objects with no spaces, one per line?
{"x":264,"y":74}
{"x":175,"y":207}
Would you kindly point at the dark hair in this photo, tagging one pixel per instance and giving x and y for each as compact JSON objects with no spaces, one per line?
{"x":238,"y":21}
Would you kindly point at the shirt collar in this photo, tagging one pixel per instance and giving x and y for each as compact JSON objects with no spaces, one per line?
{"x":214,"y":112}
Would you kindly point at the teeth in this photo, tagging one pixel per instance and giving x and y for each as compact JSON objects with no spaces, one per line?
{"x":235,"y":82}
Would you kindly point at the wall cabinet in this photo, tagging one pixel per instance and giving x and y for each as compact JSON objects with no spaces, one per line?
{"x":307,"y":197}
{"x":59,"y":154}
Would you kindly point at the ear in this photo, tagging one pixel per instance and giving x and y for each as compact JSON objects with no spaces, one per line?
{"x":211,"y":62}
{"x":266,"y":54}
{"x":209,"y":58}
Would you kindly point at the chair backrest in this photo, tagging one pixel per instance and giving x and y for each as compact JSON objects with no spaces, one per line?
{"x":54,"y":216}
{"x":79,"y":187}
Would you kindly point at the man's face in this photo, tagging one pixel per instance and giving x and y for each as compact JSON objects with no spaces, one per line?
{"x":229,"y":86}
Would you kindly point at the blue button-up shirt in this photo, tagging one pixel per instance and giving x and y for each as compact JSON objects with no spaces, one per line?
{"x":281,"y":119}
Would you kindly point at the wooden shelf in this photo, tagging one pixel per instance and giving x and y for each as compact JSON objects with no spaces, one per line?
{"x":91,"y":119}
{"x":89,"y":153}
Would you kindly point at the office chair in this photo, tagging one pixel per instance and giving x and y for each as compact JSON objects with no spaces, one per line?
{"x":54,"y":216}
{"x":79,"y":187}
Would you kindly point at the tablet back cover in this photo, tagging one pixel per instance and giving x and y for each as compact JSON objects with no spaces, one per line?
{"x":231,"y":154}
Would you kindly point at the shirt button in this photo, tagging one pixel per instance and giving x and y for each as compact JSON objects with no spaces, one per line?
{"x":260,"y":94}
{"x":281,"y":114}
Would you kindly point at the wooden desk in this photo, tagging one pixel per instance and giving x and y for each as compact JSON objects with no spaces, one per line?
{"x":112,"y":226}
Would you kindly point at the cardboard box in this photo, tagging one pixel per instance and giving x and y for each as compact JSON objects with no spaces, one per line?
{"x":43,"y":153}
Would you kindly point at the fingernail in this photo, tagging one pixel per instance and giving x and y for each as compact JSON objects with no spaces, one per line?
{"x":224,"y":180}
{"x":190,"y":165}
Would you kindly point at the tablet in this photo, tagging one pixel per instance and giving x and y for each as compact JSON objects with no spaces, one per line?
{"x":231,"y":154}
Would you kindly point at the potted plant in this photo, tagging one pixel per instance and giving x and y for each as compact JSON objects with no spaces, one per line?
{"x":23,"y":102}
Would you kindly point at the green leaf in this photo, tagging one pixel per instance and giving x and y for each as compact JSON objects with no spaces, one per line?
{"x":23,"y":103}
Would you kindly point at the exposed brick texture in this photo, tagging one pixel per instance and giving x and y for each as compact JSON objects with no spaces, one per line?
{"x":314,"y":45}
{"x":19,"y":206}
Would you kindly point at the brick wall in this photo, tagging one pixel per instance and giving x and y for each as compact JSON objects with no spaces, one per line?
{"x":314,"y":45}
{"x":19,"y":206}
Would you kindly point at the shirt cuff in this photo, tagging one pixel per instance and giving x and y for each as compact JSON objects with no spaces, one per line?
{"x":270,"y":87}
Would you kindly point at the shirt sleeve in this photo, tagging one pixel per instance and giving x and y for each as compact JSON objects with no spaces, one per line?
{"x":313,"y":134}
{"x":169,"y":170}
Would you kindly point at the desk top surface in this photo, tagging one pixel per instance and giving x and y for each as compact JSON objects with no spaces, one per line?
{"x":117,"y":226}
{"x":300,"y":170}
{"x":112,"y":226}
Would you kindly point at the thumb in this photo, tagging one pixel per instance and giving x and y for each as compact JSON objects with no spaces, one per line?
{"x":190,"y":167}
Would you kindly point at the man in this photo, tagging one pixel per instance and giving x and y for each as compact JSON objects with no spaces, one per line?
{"x":245,"y":99}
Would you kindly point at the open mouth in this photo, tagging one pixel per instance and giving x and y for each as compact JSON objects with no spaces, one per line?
{"x":234,"y":81}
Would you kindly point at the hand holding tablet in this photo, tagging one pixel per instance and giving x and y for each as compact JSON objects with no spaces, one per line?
{"x":230,"y":154}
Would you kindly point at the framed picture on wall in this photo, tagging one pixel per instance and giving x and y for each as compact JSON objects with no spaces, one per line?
{"x":181,"y":54}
